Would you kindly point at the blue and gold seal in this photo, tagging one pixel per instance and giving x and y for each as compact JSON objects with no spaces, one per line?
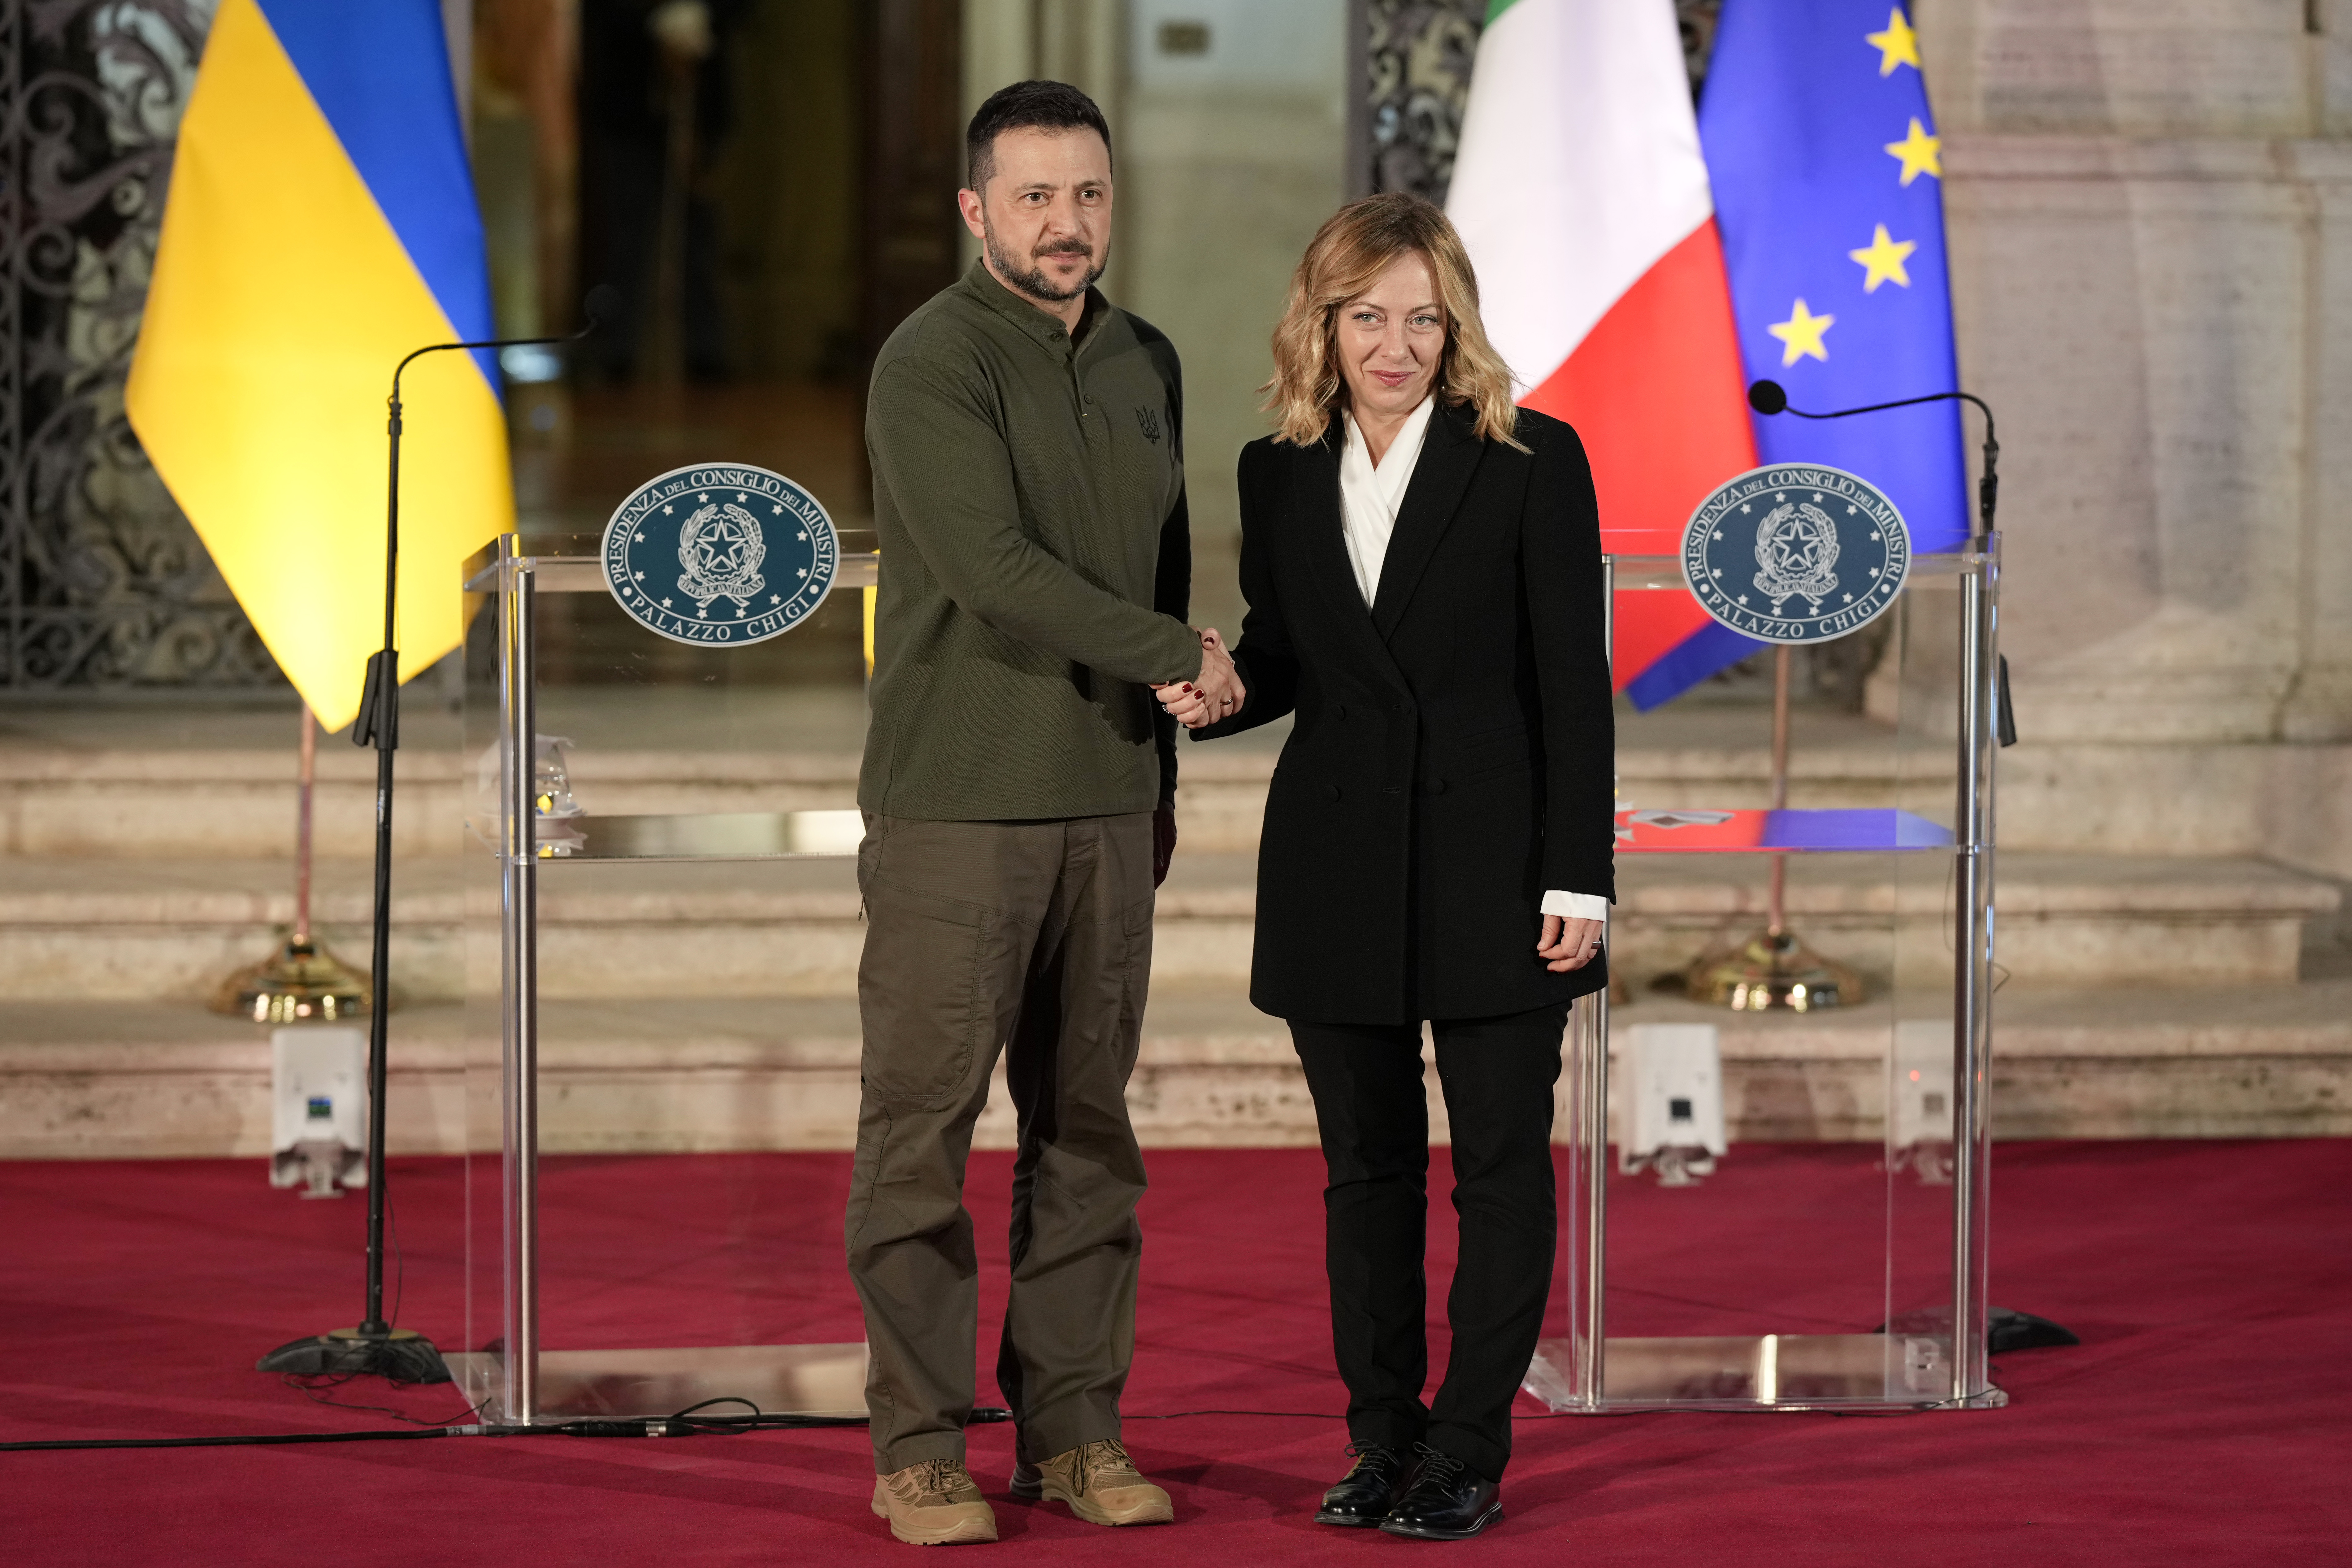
{"x":720,"y":554}
{"x":1796,"y":552}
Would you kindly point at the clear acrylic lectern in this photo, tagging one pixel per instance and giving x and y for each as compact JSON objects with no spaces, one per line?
{"x":1865,"y":1289}
{"x":640,"y":1236}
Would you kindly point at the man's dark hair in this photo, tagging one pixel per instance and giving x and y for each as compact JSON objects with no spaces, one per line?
{"x":1026,"y":106}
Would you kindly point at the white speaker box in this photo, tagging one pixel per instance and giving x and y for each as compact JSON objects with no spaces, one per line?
{"x":318,"y":1119}
{"x":1671,"y":1104}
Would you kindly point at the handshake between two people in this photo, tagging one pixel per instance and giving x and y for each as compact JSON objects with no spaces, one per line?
{"x":1216,"y":693}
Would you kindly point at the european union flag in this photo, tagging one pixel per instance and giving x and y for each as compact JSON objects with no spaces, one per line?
{"x":1828,"y":181}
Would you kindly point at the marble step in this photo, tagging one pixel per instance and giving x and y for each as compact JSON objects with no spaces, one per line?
{"x":188,"y":779}
{"x":122,"y":929}
{"x":157,"y":1079}
{"x":241,"y":803}
{"x":95,"y":789}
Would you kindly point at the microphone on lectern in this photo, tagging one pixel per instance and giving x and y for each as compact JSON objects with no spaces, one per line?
{"x":1770,"y":397}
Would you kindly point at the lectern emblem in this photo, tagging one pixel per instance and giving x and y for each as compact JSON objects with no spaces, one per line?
{"x":1796,"y":552}
{"x":720,"y":554}
{"x":718,"y":551}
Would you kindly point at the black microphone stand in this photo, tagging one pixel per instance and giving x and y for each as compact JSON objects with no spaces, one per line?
{"x":375,"y":1347}
{"x":1769,"y":397}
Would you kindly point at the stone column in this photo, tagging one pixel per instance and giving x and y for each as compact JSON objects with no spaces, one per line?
{"x":2153,"y":273}
{"x":1075,"y":41}
{"x":2146,"y":208}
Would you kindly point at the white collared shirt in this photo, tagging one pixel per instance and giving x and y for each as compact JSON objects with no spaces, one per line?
{"x":1370,"y":493}
{"x":1370,"y":497}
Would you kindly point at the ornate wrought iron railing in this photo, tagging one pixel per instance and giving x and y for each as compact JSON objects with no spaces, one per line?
{"x":1417,"y":81}
{"x":103,"y":585}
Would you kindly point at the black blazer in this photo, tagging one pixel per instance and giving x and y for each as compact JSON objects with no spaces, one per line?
{"x":1453,"y":755}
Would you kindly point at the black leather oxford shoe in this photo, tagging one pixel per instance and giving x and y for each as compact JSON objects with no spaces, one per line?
{"x":1447,"y":1500}
{"x":1369,"y":1490}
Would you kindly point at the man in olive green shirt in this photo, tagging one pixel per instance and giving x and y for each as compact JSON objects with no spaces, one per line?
{"x":1019,"y":787}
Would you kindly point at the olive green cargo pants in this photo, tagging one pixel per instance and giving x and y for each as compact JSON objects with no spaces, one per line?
{"x":1033,"y":938}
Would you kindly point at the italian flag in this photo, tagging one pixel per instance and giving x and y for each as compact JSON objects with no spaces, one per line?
{"x":1581,"y":195}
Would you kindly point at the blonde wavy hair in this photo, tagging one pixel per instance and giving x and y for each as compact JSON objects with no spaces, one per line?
{"x":1351,"y":249}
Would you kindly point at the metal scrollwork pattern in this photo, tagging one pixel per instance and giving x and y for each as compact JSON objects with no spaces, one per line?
{"x":1698,"y":19}
{"x":1420,"y":58}
{"x":102,"y":582}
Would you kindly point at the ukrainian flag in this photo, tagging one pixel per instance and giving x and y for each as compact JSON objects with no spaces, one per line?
{"x":321,"y":225}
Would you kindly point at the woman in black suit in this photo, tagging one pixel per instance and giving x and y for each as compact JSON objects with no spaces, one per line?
{"x":1422,"y":564}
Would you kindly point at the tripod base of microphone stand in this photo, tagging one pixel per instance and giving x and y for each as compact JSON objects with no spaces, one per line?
{"x":401,"y":1355}
{"x":1773,"y":971}
{"x":303,"y":983}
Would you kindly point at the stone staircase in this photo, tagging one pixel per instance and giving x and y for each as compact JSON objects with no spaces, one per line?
{"x":713,"y":1007}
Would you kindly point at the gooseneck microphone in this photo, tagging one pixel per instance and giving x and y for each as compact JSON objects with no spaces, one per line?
{"x":1769,"y":397}
{"x":378,"y":724}
{"x":375,"y":1346}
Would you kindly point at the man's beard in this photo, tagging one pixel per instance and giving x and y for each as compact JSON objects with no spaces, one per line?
{"x":1032,"y":279}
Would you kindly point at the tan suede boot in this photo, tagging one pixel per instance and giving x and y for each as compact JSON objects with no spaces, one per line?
{"x":1099,"y":1482}
{"x":934,"y":1503}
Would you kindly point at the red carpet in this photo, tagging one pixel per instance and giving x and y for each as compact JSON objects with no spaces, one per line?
{"x":2203,"y":1420}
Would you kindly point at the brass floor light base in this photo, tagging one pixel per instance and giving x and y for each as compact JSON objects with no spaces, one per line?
{"x":303,"y":983}
{"x":1773,"y":971}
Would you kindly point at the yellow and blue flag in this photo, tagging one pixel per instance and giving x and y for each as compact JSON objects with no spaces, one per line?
{"x":321,"y":225}
{"x":1828,"y":180}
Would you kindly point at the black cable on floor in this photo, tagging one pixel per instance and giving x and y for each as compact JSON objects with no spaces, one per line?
{"x":687,"y":1423}
{"x":316,"y":1389}
{"x":249,"y":1440}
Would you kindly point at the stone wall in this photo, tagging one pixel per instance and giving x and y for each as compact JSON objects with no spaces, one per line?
{"x":2152,"y":256}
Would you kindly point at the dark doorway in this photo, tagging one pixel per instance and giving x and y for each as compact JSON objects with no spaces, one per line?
{"x":770,"y":187}
{"x":913,"y":156}
{"x":770,"y":184}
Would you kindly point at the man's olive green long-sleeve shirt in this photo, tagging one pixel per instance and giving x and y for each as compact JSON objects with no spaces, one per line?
{"x":1029,"y":493}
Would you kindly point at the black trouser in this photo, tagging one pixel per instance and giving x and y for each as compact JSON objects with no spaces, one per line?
{"x":1497,"y":1075}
